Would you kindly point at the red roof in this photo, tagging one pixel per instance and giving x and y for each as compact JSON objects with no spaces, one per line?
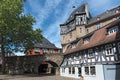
{"x":99,"y":37}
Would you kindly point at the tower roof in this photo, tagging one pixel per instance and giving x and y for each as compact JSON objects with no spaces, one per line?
{"x":79,"y":10}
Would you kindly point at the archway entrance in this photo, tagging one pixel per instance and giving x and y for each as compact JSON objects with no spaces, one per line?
{"x":48,"y":67}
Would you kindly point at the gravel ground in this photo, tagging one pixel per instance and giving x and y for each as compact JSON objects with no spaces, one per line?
{"x":34,"y":77}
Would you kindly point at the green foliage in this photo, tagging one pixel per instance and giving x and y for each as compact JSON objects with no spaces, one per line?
{"x":15,"y":27}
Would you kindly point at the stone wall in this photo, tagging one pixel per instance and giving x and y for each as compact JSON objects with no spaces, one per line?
{"x":30,"y":64}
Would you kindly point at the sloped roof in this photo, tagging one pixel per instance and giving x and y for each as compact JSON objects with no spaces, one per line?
{"x":105,"y":15}
{"x":92,"y":20}
{"x":99,"y":37}
{"x":45,"y":44}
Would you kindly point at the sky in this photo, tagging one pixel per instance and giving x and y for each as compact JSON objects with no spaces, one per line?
{"x":50,"y":14}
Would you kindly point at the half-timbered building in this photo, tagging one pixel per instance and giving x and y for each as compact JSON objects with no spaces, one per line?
{"x":43,"y":47}
{"x":91,"y":45}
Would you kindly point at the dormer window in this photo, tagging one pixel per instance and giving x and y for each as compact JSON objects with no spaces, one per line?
{"x":98,"y":18}
{"x":116,"y":11}
{"x":98,"y":26}
{"x":87,"y":39}
{"x":107,"y":11}
{"x":73,"y":45}
{"x":112,"y":30}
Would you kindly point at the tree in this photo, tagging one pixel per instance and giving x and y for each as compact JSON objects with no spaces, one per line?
{"x":16,"y":28}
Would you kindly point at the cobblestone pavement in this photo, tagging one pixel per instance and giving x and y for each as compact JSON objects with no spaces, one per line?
{"x":34,"y":77}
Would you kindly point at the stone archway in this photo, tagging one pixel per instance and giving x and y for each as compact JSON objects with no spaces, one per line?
{"x":48,"y":67}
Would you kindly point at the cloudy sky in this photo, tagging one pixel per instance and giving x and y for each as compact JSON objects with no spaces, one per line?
{"x":50,"y":14}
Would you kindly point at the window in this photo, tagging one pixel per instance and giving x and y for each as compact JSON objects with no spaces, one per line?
{"x":118,"y":17}
{"x":73,"y":70}
{"x":92,"y":70}
{"x":74,"y":44}
{"x":63,"y":70}
{"x":109,"y":50}
{"x":90,"y":53}
{"x":116,"y":11}
{"x":79,"y":71}
{"x":36,"y":49}
{"x":79,"y":19}
{"x":119,"y":47}
{"x":45,"y":50}
{"x":112,"y":30}
{"x":87,"y":70}
{"x":98,"y":26}
{"x":80,"y":30}
{"x":87,"y":30}
{"x":51,"y":51}
{"x":69,"y":70}
{"x":98,"y":18}
{"x":87,"y":39}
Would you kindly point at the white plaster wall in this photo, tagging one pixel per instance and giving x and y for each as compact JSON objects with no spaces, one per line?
{"x":99,"y":74}
{"x":65,"y":73}
{"x":112,"y":72}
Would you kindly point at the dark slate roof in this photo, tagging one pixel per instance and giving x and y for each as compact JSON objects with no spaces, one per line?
{"x":105,"y":15}
{"x":45,"y":44}
{"x":79,"y":10}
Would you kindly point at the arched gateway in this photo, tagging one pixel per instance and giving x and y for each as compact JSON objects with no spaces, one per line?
{"x":38,"y":64}
{"x":48,"y":67}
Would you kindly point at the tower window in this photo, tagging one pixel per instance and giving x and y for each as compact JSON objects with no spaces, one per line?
{"x":80,"y":30}
{"x":87,"y":30}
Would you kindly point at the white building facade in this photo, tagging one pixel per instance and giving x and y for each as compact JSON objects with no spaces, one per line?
{"x":95,"y":54}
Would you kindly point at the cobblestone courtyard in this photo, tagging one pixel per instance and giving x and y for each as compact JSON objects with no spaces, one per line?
{"x":34,"y":77}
